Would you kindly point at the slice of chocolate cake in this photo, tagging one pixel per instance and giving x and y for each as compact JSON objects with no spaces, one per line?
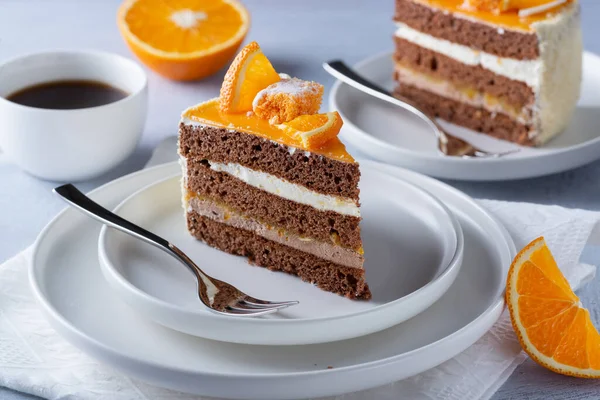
{"x":258,"y":190}
{"x":507,"y":68}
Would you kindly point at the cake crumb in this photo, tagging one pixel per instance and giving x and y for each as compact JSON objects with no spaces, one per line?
{"x":329,"y":367}
{"x":287,"y":99}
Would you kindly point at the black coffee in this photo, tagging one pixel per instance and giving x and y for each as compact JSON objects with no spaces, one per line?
{"x":67,"y":95}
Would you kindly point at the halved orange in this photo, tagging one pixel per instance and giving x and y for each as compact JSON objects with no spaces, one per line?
{"x":183,"y":39}
{"x":249,"y":73}
{"x":550,"y":322}
{"x":313,"y":130}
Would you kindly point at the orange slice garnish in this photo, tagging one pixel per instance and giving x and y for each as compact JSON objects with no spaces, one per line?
{"x":183,"y":39}
{"x":313,"y":130}
{"x":499,"y":6}
{"x":550,"y":322}
{"x":249,"y":73}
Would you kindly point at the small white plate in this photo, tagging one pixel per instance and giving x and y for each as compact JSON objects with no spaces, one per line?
{"x":413,"y":250}
{"x":392,"y":135}
{"x":67,"y":282}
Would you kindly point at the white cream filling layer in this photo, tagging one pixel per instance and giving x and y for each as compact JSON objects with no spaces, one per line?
{"x":528,"y":71}
{"x":287,"y":190}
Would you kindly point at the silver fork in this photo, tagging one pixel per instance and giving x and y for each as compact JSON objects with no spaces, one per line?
{"x":448,"y":144}
{"x":218,"y":296}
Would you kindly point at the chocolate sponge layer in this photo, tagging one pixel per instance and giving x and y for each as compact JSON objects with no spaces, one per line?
{"x":470,"y":33}
{"x":304,"y":220}
{"x":315,"y":172}
{"x":497,"y":125}
{"x":345,"y":281}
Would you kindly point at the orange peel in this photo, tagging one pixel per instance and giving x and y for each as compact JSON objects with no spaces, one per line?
{"x":249,"y":73}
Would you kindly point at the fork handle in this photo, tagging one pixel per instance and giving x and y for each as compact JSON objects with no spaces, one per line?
{"x":341,"y":71}
{"x":344,"y":73}
{"x":80,"y":201}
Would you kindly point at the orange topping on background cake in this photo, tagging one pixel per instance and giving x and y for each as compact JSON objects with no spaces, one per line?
{"x":487,"y":5}
{"x":249,"y":73}
{"x":183,"y":39}
{"x":287,"y":99}
{"x":526,"y":6}
{"x":314,"y":130}
{"x":209,"y":113}
{"x":512,"y":18}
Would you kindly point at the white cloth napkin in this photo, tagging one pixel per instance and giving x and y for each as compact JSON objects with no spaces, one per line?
{"x":35,"y":360}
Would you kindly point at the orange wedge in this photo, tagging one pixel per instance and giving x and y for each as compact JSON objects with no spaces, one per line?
{"x":183,"y":39}
{"x":249,"y":73}
{"x":550,"y":322}
{"x":313,"y":130}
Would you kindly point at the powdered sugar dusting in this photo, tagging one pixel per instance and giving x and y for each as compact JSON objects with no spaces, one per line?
{"x":291,"y":86}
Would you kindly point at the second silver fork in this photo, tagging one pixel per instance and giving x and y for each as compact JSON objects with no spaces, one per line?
{"x":448,"y":144}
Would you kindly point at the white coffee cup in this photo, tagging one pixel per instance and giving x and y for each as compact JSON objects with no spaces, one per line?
{"x":71,"y":145}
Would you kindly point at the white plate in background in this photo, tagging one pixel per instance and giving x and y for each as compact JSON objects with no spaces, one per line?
{"x":389,"y":134}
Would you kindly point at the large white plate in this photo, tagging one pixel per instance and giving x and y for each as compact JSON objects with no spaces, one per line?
{"x":67,"y":282}
{"x":413,"y":247}
{"x":390,"y":134}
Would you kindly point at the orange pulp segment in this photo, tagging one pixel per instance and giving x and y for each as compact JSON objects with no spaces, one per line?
{"x":249,"y":73}
{"x":488,"y":5}
{"x":314,"y":130}
{"x":551,"y":324}
{"x":183,"y":39}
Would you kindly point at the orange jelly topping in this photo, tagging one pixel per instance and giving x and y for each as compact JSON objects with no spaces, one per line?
{"x":208,"y":113}
{"x":508,"y":19}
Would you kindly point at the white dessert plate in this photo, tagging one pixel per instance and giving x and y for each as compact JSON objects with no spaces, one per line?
{"x":78,"y":302}
{"x":389,"y":134}
{"x":413,"y":250}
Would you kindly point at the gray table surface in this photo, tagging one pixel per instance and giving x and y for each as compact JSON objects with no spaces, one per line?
{"x":297,"y":36}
